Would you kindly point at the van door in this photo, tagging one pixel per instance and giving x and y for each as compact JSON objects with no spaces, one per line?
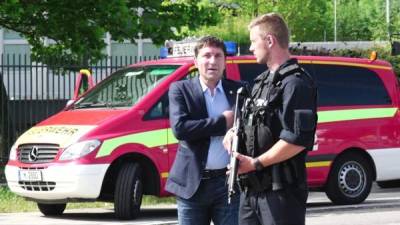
{"x":157,"y":116}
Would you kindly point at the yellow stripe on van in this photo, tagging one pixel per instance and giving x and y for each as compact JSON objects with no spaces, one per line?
{"x":347,"y":64}
{"x":355,"y":114}
{"x":241,"y":61}
{"x":165,"y":136}
{"x":244,"y":61}
{"x":164,"y":175}
{"x":149,"y":138}
{"x":318,"y":164}
{"x":171,"y":137}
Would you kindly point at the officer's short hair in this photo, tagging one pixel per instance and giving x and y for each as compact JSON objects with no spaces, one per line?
{"x":273,"y":23}
{"x":209,"y":41}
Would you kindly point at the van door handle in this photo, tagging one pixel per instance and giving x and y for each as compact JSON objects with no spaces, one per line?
{"x":164,"y":149}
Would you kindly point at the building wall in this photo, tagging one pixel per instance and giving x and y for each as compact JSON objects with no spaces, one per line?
{"x":13,"y":43}
{"x":18,"y":70}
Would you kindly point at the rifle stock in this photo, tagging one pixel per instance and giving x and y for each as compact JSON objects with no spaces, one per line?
{"x":233,"y":164}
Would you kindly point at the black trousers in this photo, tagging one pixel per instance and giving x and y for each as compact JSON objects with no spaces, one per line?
{"x":282,"y":207}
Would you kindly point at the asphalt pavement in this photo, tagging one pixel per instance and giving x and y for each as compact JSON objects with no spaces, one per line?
{"x":381,"y":208}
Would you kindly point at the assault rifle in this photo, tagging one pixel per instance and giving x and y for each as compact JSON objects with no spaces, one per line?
{"x":233,"y":164}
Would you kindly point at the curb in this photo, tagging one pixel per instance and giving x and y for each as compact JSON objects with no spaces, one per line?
{"x":371,"y":204}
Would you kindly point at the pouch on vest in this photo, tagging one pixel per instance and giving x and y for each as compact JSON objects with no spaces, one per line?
{"x":264,"y":138}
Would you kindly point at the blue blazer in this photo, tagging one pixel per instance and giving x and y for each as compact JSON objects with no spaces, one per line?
{"x":193,"y":128}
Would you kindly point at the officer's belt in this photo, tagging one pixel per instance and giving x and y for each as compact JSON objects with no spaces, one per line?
{"x":209,"y":174}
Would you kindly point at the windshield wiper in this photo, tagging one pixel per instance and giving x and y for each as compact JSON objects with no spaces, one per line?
{"x":84,"y":105}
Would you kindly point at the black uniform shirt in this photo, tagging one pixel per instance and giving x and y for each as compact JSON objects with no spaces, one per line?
{"x":295,"y":118}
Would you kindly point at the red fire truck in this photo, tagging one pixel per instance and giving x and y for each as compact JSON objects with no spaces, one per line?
{"x":114,"y":143}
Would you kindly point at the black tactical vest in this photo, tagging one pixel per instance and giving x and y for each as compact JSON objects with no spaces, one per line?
{"x":258,"y":113}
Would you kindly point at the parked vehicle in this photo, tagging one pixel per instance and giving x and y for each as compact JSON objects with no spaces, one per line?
{"x":114,"y":143}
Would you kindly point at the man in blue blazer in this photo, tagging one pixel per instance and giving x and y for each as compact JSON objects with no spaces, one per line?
{"x":200,"y":114}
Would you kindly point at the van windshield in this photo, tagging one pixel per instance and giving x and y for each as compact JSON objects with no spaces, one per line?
{"x":125,"y":87}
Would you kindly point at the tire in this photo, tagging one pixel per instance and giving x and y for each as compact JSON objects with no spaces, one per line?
{"x":389,"y":184}
{"x":350,"y":180}
{"x":51,"y":209}
{"x":128,"y":192}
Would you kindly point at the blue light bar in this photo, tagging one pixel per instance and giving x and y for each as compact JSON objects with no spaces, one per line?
{"x":231,"y":47}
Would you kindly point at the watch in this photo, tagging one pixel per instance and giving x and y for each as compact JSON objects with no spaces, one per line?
{"x":258,"y":165}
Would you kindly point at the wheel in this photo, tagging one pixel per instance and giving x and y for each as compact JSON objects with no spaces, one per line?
{"x":128,"y":192}
{"x":389,"y":184}
{"x":350,"y":180}
{"x":51,"y":209}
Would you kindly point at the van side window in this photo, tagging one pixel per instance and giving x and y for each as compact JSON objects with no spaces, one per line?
{"x":159,"y":109}
{"x":249,"y":71}
{"x":348,"y":85}
{"x":192,"y":74}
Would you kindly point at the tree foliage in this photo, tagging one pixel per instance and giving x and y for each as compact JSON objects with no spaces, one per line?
{"x":304,"y":17}
{"x":311,"y":20}
{"x":78,"y":27}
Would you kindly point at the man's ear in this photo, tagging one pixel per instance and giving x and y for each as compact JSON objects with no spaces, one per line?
{"x":269,"y":40}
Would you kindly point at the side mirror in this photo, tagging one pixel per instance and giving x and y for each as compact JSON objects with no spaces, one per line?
{"x":84,"y":82}
{"x":69,"y":102}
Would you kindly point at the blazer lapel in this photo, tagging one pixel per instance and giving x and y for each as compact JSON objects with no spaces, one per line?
{"x":230,"y":92}
{"x":199,"y":96}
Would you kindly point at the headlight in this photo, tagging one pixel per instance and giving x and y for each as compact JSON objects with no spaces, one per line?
{"x":13,"y":152}
{"x":79,"y":149}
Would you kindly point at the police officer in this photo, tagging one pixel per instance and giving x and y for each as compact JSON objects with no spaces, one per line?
{"x":279,"y":123}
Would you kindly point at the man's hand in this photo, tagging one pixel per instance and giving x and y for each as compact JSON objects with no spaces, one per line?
{"x":229,"y":118}
{"x":227,"y":142}
{"x":246,"y":163}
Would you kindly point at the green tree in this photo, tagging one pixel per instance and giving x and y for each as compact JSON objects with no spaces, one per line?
{"x":365,"y":20}
{"x":354,"y":19}
{"x":306,"y":18}
{"x":311,"y":20}
{"x":78,"y":26}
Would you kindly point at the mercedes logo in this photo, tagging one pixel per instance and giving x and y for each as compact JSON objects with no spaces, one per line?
{"x":34,"y":154}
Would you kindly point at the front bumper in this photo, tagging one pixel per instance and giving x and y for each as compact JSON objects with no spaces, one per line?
{"x":59,"y":183}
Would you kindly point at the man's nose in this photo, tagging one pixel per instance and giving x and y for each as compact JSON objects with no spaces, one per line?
{"x":213,"y":59}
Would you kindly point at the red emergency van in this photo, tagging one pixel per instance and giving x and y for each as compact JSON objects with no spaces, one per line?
{"x":115,"y":144}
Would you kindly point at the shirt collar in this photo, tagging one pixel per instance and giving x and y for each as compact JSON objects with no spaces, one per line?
{"x":205,"y":88}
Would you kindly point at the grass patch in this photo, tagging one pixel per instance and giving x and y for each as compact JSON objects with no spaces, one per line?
{"x":10,"y":202}
{"x":153,"y":200}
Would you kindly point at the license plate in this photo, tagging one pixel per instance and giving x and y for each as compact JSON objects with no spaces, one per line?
{"x":30,"y":175}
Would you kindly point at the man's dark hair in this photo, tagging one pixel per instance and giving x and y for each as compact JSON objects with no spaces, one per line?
{"x":209,"y":41}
